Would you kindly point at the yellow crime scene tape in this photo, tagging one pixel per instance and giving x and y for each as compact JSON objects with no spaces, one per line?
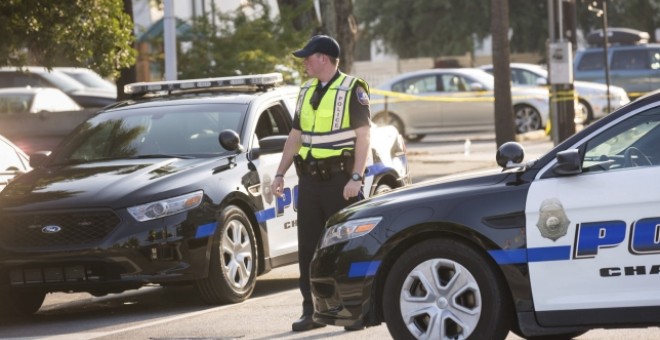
{"x":475,"y":96}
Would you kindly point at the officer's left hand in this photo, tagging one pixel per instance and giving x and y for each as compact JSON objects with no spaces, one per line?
{"x":352,"y":189}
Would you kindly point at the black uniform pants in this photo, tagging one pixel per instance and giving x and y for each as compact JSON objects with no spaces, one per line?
{"x":317,"y":201}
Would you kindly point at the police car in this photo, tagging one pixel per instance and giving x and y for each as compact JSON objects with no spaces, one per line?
{"x":170,"y":186}
{"x":551,"y":247}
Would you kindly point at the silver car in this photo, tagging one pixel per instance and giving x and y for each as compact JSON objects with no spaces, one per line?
{"x":592,"y":97}
{"x":450,"y":100}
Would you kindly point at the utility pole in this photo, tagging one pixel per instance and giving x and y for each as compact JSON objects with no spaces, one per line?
{"x":601,"y":11}
{"x":169,"y":37}
{"x":560,"y":64}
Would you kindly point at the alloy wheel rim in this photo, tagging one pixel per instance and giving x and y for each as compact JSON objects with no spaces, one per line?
{"x":236,"y":254}
{"x":440,"y":299}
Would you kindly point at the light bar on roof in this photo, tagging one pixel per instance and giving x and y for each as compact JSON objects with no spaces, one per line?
{"x":268,"y":79}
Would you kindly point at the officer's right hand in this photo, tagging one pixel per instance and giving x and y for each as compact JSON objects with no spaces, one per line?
{"x":277,"y":186}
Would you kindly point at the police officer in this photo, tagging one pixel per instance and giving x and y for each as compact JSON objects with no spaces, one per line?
{"x":330,"y":144}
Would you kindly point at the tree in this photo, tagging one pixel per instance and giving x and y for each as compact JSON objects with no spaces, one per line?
{"x":337,"y":21}
{"x":127,"y":74}
{"x":239,"y":44}
{"x":425,"y":28}
{"x":504,"y":122}
{"x":95,"y":34}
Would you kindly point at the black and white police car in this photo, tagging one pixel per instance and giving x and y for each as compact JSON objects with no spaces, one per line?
{"x":551,"y":247}
{"x":159,"y":189}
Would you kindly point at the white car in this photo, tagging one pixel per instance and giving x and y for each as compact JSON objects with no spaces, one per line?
{"x":19,"y":100}
{"x":592,"y":97}
{"x":13,"y":161}
{"x":448,"y":100}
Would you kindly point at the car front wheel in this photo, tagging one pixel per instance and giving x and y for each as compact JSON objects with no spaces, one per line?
{"x":20,"y":303}
{"x":444,"y":289}
{"x":527,"y":118}
{"x":233,"y":264}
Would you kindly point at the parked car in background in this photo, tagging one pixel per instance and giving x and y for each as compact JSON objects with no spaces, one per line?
{"x":172,"y":185}
{"x":446,"y":100}
{"x":17,"y":100}
{"x":634,"y":64}
{"x":592,"y":97}
{"x":36,"y":76}
{"x":13,"y":161}
{"x":89,"y":78}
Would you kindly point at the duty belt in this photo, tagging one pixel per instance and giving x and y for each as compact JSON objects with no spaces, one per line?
{"x":324,"y":168}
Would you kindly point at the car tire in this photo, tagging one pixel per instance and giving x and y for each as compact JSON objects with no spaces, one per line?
{"x":528,"y":119}
{"x":389,"y":118}
{"x":585,"y":111}
{"x":467,"y":291}
{"x":20,"y":303}
{"x":382,"y":188}
{"x":233,"y":264}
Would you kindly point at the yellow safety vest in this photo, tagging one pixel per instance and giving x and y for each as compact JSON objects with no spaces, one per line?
{"x":327,"y":131}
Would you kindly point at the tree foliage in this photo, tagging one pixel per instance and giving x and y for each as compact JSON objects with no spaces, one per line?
{"x":239,"y":44}
{"x":95,"y":34}
{"x":425,"y":28}
{"x":432,"y":28}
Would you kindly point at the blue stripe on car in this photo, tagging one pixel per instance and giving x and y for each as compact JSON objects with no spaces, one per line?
{"x":265,"y":215}
{"x":363,"y":269}
{"x":205,"y":230}
{"x":544,"y":254}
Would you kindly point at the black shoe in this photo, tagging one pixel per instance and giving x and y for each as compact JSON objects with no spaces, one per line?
{"x":305,"y":323}
{"x":353,"y":328}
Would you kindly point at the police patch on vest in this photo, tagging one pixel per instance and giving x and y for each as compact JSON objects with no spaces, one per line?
{"x":362,"y":96}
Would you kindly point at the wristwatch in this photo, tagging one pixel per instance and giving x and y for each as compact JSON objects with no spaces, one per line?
{"x":356,"y":177}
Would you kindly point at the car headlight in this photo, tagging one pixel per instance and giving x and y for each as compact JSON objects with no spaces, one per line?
{"x":349,"y":230}
{"x":166,"y":207}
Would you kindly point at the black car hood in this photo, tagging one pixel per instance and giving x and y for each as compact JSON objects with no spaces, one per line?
{"x":108,"y":184}
{"x":441,"y":189}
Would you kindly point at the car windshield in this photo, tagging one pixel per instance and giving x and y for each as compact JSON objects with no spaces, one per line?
{"x":640,"y":132}
{"x":91,"y":80}
{"x":184,"y":131}
{"x":62,"y":81}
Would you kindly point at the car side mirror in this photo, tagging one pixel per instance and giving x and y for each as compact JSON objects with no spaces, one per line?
{"x":510,"y":155}
{"x":39,"y":158}
{"x":541,"y":82}
{"x":569,"y":162}
{"x":269,"y":145}
{"x":477,"y":87}
{"x":230,"y":140}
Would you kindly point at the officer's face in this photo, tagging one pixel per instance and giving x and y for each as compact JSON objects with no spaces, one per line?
{"x":314,"y":64}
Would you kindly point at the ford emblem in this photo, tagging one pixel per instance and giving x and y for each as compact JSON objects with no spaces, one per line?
{"x":51,"y":229}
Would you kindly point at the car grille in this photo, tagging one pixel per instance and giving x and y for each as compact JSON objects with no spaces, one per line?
{"x":59,"y":229}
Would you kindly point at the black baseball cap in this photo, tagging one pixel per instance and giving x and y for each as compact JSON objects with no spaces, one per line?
{"x":319,"y":44}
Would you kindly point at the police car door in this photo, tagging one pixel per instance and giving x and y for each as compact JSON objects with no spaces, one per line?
{"x":594,"y":237}
{"x":279,"y":213}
